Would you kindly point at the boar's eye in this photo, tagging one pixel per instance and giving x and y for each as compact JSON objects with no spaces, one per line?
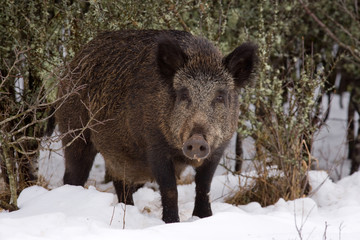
{"x":183,"y":95}
{"x":220,"y":97}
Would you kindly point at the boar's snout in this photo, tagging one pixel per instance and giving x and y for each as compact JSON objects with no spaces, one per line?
{"x":196,"y":147}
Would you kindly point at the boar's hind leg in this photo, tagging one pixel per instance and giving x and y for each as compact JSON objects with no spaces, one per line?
{"x":203,"y":177}
{"x":125,"y":191}
{"x":79,"y":158}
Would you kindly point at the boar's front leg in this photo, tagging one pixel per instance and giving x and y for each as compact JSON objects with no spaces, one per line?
{"x":203,"y":178}
{"x":163,"y":170}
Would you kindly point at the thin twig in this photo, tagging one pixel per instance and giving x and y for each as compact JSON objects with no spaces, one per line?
{"x":324,"y":235}
{"x":329,"y":32}
{"x":180,"y":19}
{"x":112,"y":215}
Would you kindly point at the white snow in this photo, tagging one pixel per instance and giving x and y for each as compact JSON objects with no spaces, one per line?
{"x":331,"y":211}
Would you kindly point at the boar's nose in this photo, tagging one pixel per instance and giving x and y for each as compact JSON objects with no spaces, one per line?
{"x":196,"y":147}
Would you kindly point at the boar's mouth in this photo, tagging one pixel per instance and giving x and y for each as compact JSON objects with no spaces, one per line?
{"x":196,"y":147}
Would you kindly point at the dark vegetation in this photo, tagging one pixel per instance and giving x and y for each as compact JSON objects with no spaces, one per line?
{"x":296,"y":41}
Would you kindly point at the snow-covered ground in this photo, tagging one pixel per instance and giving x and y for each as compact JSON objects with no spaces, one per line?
{"x":332,"y":211}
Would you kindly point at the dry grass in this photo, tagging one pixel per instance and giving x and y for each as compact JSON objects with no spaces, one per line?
{"x":279,"y":174}
{"x":185,"y":180}
{"x":267,"y":190}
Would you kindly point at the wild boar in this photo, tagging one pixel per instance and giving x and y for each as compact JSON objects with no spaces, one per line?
{"x":152,"y":102}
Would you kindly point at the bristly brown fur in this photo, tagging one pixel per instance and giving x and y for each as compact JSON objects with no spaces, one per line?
{"x":147,"y":92}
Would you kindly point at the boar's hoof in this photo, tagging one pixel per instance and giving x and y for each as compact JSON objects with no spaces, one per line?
{"x":171,"y":218}
{"x":196,"y":147}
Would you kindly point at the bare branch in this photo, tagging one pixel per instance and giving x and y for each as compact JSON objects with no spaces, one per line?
{"x":355,"y":53}
{"x":356,"y":19}
{"x":179,"y":17}
{"x":13,"y":66}
{"x":346,"y":31}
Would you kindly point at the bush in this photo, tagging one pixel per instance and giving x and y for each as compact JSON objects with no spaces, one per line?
{"x":281,"y":114}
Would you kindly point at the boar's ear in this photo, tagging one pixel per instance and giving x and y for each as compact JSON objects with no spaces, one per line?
{"x":240,"y":63}
{"x":170,"y":57}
